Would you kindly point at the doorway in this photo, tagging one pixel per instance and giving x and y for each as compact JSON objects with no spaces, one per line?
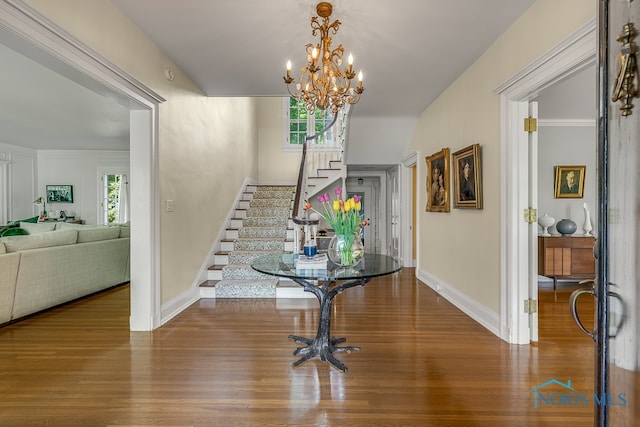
{"x":567,"y":135}
{"x":22,"y":27}
{"x":575,"y":54}
{"x":368,"y":187}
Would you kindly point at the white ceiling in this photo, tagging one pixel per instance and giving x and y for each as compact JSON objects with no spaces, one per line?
{"x":41,"y":109}
{"x":409,"y":51}
{"x":572,"y":98}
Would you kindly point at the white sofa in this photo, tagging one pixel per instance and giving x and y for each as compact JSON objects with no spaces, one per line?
{"x":48,"y":268}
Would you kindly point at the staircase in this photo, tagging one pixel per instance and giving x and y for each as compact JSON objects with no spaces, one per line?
{"x":324,"y":177}
{"x":261,"y":225}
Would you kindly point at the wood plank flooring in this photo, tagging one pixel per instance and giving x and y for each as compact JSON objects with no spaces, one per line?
{"x":228,"y":363}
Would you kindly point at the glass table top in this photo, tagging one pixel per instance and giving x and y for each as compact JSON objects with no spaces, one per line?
{"x":284,"y":265}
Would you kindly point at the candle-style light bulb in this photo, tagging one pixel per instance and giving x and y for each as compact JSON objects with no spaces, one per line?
{"x":350,"y":59}
{"x":288,"y":65}
{"x":360,"y":76}
{"x":314,"y":53}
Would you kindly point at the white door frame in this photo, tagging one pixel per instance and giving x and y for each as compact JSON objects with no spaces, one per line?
{"x":406,"y":209}
{"x":4,"y":190}
{"x":571,"y":56}
{"x":25,"y":27}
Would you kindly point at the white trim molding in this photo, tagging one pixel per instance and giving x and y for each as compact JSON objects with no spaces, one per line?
{"x":406,"y":219}
{"x":566,"y":123}
{"x":569,"y":57}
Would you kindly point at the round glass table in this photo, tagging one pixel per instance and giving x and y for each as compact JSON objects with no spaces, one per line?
{"x":325,"y":284}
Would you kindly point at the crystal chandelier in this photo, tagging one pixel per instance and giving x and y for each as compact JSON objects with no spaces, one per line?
{"x":323,"y":84}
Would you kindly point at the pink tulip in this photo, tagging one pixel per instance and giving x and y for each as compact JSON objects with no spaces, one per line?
{"x":338,"y":191}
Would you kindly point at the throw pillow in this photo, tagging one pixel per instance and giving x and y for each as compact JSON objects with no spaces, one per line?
{"x":40,"y":240}
{"x":93,"y":234}
{"x":72,"y":226}
{"x":39,"y":227}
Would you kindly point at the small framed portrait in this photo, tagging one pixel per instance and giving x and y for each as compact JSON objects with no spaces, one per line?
{"x":59,"y":193}
{"x":569,"y":182}
{"x":467,"y":178}
{"x":438,"y":181}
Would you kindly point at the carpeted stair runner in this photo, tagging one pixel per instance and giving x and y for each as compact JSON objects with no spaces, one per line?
{"x":262,"y":227}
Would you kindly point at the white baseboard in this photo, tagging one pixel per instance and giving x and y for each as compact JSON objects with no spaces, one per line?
{"x":481,"y":314}
{"x":177,"y":305}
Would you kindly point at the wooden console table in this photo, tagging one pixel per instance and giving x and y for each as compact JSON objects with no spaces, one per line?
{"x":566,"y":257}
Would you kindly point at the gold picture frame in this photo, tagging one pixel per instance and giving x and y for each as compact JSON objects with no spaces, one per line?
{"x":438,"y":181}
{"x":569,"y":182}
{"x":467,"y":178}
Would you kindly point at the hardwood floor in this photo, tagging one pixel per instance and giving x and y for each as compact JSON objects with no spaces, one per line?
{"x":228,"y":363}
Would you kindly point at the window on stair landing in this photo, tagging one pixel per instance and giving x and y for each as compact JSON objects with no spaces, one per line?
{"x":300,"y":124}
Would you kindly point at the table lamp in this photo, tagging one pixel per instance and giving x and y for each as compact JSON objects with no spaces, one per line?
{"x":41,"y":201}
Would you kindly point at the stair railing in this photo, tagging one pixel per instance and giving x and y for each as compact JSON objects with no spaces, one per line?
{"x":303,"y":224}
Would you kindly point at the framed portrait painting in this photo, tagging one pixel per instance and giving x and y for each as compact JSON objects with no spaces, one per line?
{"x":467,"y":178}
{"x":438,"y":181}
{"x":569,"y":182}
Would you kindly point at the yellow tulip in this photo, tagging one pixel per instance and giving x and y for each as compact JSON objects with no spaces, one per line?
{"x":358,"y":206}
{"x":336,"y":205}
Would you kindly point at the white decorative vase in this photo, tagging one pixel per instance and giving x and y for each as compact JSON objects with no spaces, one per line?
{"x":587,"y":227}
{"x":545,"y":222}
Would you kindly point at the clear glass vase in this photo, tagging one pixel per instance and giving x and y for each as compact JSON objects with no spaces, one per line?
{"x":346,"y":250}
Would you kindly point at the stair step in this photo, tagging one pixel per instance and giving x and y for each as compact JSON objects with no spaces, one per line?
{"x":271,"y":203}
{"x":242,"y":272}
{"x":267,"y":212}
{"x":257,"y":244}
{"x":286,"y":290}
{"x":265,"y":222}
{"x":227,"y":245}
{"x":245,"y":257}
{"x":285,"y":195}
{"x":262,"y":232}
{"x":221,"y":257}
{"x":246,"y":288}
{"x":231,"y":233}
{"x":326,"y":173}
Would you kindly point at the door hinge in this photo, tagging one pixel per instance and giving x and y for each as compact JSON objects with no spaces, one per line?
{"x":530,"y":306}
{"x":530,"y":124}
{"x":530,"y":215}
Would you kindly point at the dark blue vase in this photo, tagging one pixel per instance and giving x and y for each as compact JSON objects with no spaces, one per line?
{"x":566,"y":227}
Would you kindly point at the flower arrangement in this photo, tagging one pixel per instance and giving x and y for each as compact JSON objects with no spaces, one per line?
{"x":345,"y":219}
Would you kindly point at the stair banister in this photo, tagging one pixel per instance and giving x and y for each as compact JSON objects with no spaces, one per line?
{"x":300,"y":223}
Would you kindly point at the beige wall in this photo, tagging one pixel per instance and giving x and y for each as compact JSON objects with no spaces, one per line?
{"x":207,"y":146}
{"x":462,"y":248}
{"x":275,"y":166}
